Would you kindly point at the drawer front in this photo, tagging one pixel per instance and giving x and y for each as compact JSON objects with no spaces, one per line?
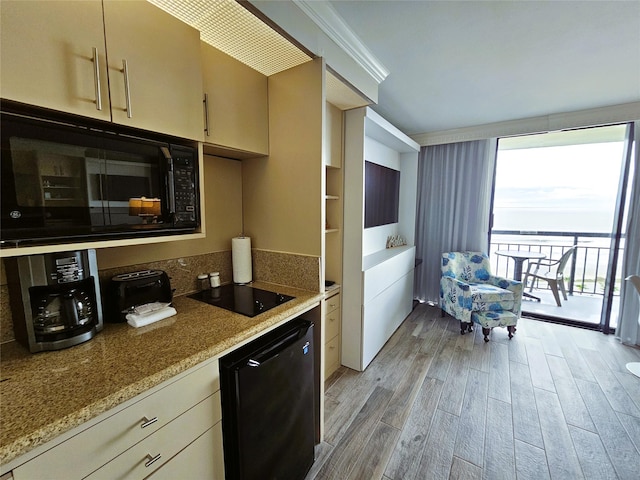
{"x":332,"y":325}
{"x":332,"y":303}
{"x":202,"y":459}
{"x":154,"y":451}
{"x":331,"y":356}
{"x":102,"y":442}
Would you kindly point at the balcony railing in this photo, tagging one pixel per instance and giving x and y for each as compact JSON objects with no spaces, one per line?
{"x":587,"y":269}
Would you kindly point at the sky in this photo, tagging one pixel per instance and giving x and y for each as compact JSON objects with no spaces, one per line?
{"x":558,"y":188}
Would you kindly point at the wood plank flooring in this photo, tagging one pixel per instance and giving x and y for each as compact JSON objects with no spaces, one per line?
{"x":555,"y":402}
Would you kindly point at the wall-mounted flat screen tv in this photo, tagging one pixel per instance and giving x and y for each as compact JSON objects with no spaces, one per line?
{"x":381,"y":195}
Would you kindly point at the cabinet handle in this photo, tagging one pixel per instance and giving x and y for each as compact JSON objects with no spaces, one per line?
{"x":206,"y":114}
{"x":127,"y":95}
{"x":96,"y":79}
{"x":151,"y":459}
{"x":146,"y":422}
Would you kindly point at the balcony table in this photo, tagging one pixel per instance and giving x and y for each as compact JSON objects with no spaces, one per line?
{"x":519,"y":257}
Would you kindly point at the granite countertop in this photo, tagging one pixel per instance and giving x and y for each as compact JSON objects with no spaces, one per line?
{"x":45,"y":394}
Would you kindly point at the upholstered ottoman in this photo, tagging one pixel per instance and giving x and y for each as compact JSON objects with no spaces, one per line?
{"x":491,"y":319}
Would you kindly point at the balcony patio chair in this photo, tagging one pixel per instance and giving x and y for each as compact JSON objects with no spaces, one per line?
{"x":552,"y":272}
{"x":471,"y":294}
{"x":634,"y":367}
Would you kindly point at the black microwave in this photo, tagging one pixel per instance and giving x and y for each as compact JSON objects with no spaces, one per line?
{"x":64,"y":179}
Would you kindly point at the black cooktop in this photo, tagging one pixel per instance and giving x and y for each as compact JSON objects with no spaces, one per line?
{"x":244,"y":299}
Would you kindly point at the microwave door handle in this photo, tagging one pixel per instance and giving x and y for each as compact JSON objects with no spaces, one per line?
{"x":171,"y":186}
{"x":172,"y":192}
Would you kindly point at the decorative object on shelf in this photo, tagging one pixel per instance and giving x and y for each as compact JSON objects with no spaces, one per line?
{"x":395,"y":241}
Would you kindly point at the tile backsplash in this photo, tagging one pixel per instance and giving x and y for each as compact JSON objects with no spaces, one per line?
{"x":299,"y":271}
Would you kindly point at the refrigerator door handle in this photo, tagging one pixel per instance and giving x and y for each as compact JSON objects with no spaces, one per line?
{"x":275,"y":349}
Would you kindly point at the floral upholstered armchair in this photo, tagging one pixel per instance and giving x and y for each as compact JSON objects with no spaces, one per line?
{"x":470,"y":293}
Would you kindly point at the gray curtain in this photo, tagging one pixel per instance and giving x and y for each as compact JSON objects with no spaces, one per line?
{"x":628,"y":330}
{"x":454,"y":195}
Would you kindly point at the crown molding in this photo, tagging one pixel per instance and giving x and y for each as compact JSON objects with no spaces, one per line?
{"x":331,"y":23}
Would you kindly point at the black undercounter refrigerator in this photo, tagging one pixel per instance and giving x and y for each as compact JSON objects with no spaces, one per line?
{"x":268,"y":405}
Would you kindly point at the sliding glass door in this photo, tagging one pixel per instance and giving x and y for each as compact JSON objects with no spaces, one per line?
{"x":552,"y":192}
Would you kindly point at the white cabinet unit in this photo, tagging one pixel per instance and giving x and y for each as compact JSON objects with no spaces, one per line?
{"x":136,"y":440}
{"x":388,"y":298}
{"x":54,"y":55}
{"x":377,"y":285}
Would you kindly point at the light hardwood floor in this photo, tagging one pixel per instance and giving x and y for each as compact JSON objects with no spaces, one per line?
{"x":555,"y":402}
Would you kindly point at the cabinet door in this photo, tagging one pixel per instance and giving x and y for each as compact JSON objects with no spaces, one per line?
{"x":237,"y":104}
{"x":331,"y":356}
{"x":47,"y":51}
{"x":161,"y":88}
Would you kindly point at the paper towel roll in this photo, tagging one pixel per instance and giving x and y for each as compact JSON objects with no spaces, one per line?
{"x":241,"y":259}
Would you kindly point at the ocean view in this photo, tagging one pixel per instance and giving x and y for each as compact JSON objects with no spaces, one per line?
{"x":554,"y":219}
{"x":592,"y":255}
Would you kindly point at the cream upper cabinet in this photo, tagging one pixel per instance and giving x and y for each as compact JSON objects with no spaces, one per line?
{"x":236,"y":106}
{"x":53,"y":55}
{"x":160,"y":88}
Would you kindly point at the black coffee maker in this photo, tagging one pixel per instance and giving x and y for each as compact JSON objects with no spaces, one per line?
{"x":55,"y":299}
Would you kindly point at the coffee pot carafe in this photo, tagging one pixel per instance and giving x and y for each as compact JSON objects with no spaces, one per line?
{"x":67,"y":309}
{"x":57,"y":299}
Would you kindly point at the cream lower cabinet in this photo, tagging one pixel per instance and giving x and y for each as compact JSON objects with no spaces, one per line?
{"x":236,"y":103}
{"x":151,"y":431}
{"x":54,"y":56}
{"x":332,"y":334}
{"x":189,"y":463}
{"x":168,"y":442}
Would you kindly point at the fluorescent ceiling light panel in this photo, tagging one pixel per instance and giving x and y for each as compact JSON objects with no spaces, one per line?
{"x":234,"y":30}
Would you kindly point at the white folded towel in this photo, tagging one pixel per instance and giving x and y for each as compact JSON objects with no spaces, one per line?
{"x":153,"y":314}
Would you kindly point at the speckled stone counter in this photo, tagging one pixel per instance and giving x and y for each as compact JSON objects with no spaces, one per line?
{"x":46,"y":394}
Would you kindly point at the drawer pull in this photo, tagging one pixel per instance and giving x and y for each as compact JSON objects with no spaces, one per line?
{"x":151,"y":460}
{"x":147,"y":422}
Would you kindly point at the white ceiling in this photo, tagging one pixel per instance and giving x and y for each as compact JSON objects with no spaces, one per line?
{"x":457,"y":64}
